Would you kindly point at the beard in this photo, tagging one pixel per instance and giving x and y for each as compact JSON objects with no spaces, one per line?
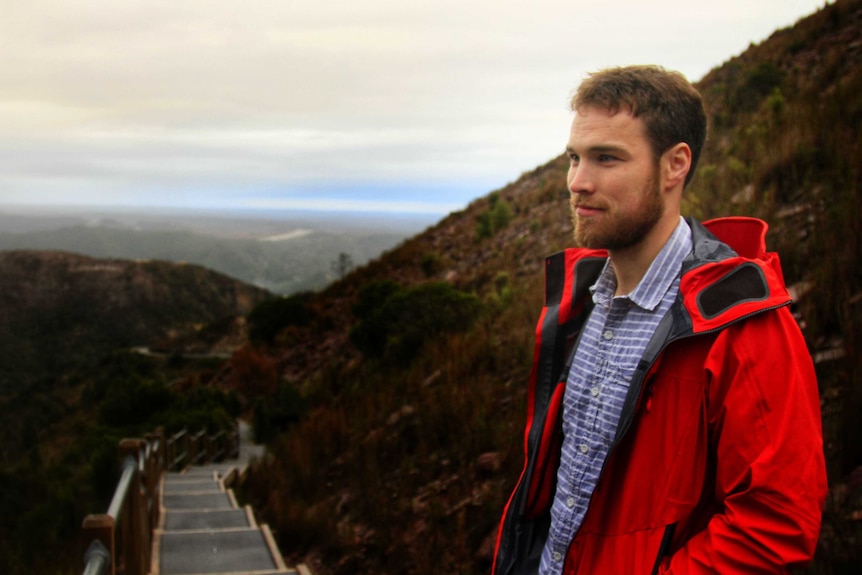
{"x":618,"y":230}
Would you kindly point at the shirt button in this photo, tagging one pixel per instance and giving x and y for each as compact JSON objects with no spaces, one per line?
{"x":609,"y":334}
{"x":570,"y":502}
{"x":594,"y":391}
{"x":557,"y":556}
{"x":584,"y":448}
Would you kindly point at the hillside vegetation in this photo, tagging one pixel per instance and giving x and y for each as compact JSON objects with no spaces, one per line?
{"x":60,"y":309}
{"x":409,"y":435}
{"x":71,"y":388}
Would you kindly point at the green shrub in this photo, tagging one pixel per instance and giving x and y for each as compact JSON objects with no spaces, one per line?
{"x":277,"y":414}
{"x":402,"y":322}
{"x":757,"y":83}
{"x":132,"y":403}
{"x":496,"y":217}
{"x":431,"y":264}
{"x":271,"y":316}
{"x":373,"y":295}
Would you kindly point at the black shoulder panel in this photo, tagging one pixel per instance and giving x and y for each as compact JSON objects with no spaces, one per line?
{"x":745,"y":283}
{"x":586,"y":273}
{"x":555,"y":278}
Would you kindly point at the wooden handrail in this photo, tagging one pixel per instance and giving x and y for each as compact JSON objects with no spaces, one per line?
{"x":119,"y":541}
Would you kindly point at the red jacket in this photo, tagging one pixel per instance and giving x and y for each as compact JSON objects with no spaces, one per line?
{"x":717,"y":465}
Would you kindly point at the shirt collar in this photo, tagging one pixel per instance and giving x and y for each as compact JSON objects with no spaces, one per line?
{"x":659,"y":277}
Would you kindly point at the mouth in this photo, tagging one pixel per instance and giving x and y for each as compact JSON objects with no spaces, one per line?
{"x":585,"y":211}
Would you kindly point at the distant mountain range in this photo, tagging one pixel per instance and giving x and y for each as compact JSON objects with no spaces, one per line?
{"x":281,"y":255}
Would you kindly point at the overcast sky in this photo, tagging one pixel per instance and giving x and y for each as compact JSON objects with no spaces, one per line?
{"x":367,"y":105}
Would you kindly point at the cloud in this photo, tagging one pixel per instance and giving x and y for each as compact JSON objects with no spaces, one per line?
{"x":164,"y":100}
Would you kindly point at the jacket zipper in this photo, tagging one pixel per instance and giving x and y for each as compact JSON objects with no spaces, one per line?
{"x":664,"y":548}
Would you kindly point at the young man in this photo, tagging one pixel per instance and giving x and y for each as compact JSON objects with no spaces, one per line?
{"x":673,"y":413}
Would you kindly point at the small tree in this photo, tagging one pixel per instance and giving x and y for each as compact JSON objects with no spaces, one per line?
{"x":342,"y":265}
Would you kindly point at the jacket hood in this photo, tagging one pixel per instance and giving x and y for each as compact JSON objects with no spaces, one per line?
{"x":729,"y":274}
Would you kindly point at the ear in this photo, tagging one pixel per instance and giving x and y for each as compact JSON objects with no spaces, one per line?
{"x":676,"y":162}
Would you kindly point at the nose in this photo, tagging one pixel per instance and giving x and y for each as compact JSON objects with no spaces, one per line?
{"x":579,"y":180}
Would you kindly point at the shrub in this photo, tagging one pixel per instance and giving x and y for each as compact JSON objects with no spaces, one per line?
{"x":399,"y":325}
{"x":431,"y":264}
{"x":132,"y":403}
{"x":496,"y":217}
{"x":253,"y":373}
{"x":278,"y":414}
{"x":756,"y":85}
{"x":373,"y":295}
{"x":268,"y":318}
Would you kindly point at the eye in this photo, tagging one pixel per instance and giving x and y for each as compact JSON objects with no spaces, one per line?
{"x":604,"y":158}
{"x":574,"y":158}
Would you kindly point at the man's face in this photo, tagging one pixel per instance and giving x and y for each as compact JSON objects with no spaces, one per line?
{"x":613,"y":180}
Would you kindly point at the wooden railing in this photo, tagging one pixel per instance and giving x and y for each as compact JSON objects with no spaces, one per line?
{"x":118,"y":542}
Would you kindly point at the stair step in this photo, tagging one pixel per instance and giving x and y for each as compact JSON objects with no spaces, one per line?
{"x":228,"y":551}
{"x":213,"y":519}
{"x":204,"y":532}
{"x":207,"y":500}
{"x":172,"y":487}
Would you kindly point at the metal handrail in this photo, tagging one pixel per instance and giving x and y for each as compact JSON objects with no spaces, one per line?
{"x":97,"y":559}
{"x":115,"y":509}
{"x":134,"y":508}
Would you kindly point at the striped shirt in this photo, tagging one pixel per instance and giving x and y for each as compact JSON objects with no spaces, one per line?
{"x":614,"y":338}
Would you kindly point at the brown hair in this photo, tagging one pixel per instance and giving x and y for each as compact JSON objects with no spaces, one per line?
{"x":669,"y":105}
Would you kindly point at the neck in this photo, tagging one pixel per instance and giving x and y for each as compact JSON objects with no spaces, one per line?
{"x":631,"y":264}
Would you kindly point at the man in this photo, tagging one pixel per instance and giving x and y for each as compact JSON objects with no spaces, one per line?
{"x":673,"y":413}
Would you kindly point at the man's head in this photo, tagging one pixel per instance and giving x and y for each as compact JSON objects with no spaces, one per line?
{"x":669,"y":106}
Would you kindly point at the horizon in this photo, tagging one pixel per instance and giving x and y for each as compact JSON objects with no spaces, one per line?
{"x":195,"y":218}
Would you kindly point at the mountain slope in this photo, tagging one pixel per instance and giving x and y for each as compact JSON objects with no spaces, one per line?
{"x":70,"y":388}
{"x":404,"y":467}
{"x":58,"y":310}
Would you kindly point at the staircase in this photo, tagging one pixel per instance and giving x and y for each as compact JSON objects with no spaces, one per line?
{"x":163,"y":522}
{"x":202,"y":530}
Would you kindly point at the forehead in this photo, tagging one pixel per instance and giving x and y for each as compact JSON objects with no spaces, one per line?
{"x":596,"y":127}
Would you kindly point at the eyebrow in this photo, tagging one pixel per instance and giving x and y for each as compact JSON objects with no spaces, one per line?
{"x":600,"y":149}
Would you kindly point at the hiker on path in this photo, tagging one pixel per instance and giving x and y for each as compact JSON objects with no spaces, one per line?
{"x":673,"y":416}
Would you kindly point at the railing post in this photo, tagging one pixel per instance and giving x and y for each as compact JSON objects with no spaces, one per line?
{"x":136,"y":536}
{"x":235,"y":447}
{"x":100,"y":528}
{"x":154,"y":469}
{"x":192,"y":449}
{"x":208,"y":448}
{"x":170,"y":464}
{"x":199,"y":448}
{"x":187,"y":443}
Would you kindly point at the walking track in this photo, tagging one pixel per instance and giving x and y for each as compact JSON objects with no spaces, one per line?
{"x":203,"y":531}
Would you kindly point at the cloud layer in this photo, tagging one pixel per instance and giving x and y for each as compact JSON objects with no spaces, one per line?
{"x":413,"y":106}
